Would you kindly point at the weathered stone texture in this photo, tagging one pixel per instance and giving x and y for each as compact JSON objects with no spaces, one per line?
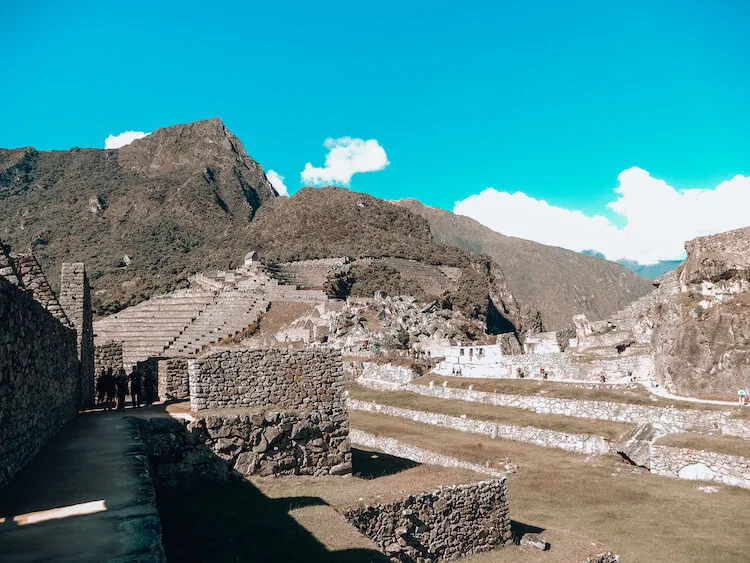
{"x":75,"y":299}
{"x":700,"y":464}
{"x":441,"y":525}
{"x":177,"y":455}
{"x":674,"y":418}
{"x":35,"y":282}
{"x":578,"y":443}
{"x":407,"y":451}
{"x":280,"y":442}
{"x":39,"y":389}
{"x":173,"y":378}
{"x":108,"y":355}
{"x":284,"y":378}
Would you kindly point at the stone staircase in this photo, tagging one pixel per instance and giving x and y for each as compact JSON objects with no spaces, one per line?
{"x":230,"y":313}
{"x":148,"y":328}
{"x":432,"y":279}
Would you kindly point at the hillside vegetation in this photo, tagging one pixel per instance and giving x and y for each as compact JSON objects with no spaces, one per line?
{"x":559,"y":283}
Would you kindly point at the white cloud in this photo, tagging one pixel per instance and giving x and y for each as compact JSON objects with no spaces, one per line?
{"x":117,"y":141}
{"x":658,"y":219}
{"x":277,"y":181}
{"x":346,"y":157}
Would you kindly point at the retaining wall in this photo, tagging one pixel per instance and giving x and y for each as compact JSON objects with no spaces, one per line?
{"x":559,"y":367}
{"x":243,"y":377}
{"x":108,"y":355}
{"x":407,"y":451}
{"x":39,"y":384}
{"x":578,"y":443}
{"x":674,"y":418}
{"x":173,"y":380}
{"x":442,"y":525}
{"x":699,"y":464}
{"x":280,"y":442}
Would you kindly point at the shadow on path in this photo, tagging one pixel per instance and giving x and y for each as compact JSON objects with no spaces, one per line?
{"x":233,"y":521}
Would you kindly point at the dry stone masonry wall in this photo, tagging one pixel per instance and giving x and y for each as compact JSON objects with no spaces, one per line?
{"x":242,"y":377}
{"x":578,"y":443}
{"x":108,"y":356}
{"x":699,"y":464}
{"x":674,"y":418}
{"x":173,"y":378}
{"x":75,"y":299}
{"x":303,"y":426}
{"x":294,"y":442}
{"x":35,"y":282}
{"x":39,"y":384}
{"x":442,"y":525}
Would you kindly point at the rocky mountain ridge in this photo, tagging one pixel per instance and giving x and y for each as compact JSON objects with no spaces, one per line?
{"x":559,"y":283}
{"x":189,"y":198}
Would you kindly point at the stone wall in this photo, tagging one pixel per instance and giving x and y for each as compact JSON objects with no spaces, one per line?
{"x":562,"y":367}
{"x":387,"y":372}
{"x":442,"y":525}
{"x":8,"y":266}
{"x":173,"y":378}
{"x":35,"y":282}
{"x":407,"y":451}
{"x":39,"y":385}
{"x":736,"y":427}
{"x":293,"y":442}
{"x":287,"y":379}
{"x":108,"y":355}
{"x":673,"y":418}
{"x":75,"y":299}
{"x":578,"y":443}
{"x":699,"y":464}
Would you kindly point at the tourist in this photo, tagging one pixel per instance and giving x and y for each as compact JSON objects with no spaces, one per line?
{"x":110,"y":389}
{"x":149,"y":385}
{"x":741,"y":396}
{"x":100,"y":380}
{"x":136,"y":387}
{"x":121,"y":383}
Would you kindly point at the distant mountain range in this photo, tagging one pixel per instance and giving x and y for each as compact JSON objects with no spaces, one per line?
{"x":188,"y":198}
{"x":649,"y":271}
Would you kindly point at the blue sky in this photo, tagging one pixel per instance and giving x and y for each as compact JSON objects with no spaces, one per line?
{"x":551,"y":99}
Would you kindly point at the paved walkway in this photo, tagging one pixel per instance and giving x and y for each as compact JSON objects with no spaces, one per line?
{"x":662,"y":393}
{"x":85,"y":497}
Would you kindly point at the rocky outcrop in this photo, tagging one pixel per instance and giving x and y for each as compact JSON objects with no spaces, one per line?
{"x":701,"y":331}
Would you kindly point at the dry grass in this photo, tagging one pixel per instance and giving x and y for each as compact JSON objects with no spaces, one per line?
{"x":634,"y":395}
{"x":580,"y":500}
{"x":729,"y":445}
{"x":501,"y":415}
{"x":281,"y":314}
{"x":742,"y":413}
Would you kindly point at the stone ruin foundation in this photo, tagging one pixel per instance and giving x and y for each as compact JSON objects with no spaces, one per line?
{"x":442,"y":525}
{"x":108,"y":355}
{"x":273,"y":412}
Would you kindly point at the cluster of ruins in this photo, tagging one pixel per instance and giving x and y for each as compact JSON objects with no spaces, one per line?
{"x":277,"y":403}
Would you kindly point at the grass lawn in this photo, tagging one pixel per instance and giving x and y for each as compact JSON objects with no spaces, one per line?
{"x":729,"y":445}
{"x":501,"y":415}
{"x":634,"y":395}
{"x":579,"y":501}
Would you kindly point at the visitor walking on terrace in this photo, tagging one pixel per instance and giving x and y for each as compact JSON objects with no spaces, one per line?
{"x":741,"y":396}
{"x":121,"y":383}
{"x":136,"y":387}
